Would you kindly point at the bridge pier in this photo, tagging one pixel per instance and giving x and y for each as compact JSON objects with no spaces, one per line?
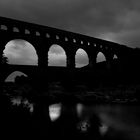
{"x":92,"y":61}
{"x":70,"y":59}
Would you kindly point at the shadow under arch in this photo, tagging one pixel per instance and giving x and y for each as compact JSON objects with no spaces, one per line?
{"x":100,"y":57}
{"x":81,"y":58}
{"x":20,"y":52}
{"x":57,"y":56}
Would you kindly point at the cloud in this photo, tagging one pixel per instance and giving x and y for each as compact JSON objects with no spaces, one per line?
{"x":20,"y":52}
{"x":57,"y":59}
{"x":56,"y":50}
{"x":91,"y":17}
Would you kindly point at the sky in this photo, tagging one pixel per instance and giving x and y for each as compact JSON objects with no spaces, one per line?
{"x":113,"y":20}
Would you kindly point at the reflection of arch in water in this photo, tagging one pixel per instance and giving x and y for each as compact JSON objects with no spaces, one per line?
{"x":20,"y":52}
{"x":55,"y":111}
{"x":79,"y":109}
{"x":100,"y":57}
{"x":56,"y":56}
{"x":81,"y":58}
{"x":11,"y":77}
{"x":115,"y":56}
{"x":3,"y":27}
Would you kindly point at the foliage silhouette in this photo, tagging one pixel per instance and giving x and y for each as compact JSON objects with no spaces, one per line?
{"x":4,"y":59}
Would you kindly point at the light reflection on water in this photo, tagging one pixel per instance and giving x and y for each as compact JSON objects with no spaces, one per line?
{"x":103,"y":129}
{"x":83,"y":126}
{"x":16,"y":101}
{"x":55,"y":111}
{"x":79,"y":109}
{"x":116,"y":120}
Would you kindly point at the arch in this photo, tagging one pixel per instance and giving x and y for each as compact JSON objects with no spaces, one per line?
{"x":48,"y":35}
{"x":15,"y":29}
{"x":27,"y":31}
{"x":74,"y":40}
{"x":20,"y":52}
{"x":115,"y":56}
{"x":37,"y":33}
{"x":82,"y":42}
{"x":57,"y":37}
{"x":100,"y":57}
{"x":81,"y":58}
{"x":88,"y":43}
{"x":56,"y":56}
{"x":101,"y":46}
{"x":3,"y":27}
{"x":11,"y":77}
{"x":66,"y":39}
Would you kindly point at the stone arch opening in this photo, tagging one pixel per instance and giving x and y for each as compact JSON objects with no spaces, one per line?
{"x":81,"y":58}
{"x":48,"y":35}
{"x":115,"y":57}
{"x":20,"y":52}
{"x":12,"y":76}
{"x":37,"y":33}
{"x":100,"y":57}
{"x":3,"y":27}
{"x":27,"y":31}
{"x":15,"y":29}
{"x":57,"y":56}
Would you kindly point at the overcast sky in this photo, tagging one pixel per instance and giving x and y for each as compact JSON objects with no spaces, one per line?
{"x":114,"y":20}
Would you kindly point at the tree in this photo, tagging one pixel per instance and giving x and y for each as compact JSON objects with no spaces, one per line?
{"x":4,"y":59}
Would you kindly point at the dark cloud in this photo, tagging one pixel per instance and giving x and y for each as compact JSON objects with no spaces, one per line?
{"x":130,"y":38}
{"x":91,"y":17}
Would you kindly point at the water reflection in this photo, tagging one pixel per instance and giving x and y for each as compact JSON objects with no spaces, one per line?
{"x":75,"y":121}
{"x":55,"y":111}
{"x":121,"y":122}
{"x":16,"y":101}
{"x":79,"y":109}
{"x":103,"y":129}
{"x":113,"y":122}
{"x":19,"y":101}
{"x":83,"y":126}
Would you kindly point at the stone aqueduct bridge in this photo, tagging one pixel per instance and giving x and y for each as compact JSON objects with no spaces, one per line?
{"x":42,"y":37}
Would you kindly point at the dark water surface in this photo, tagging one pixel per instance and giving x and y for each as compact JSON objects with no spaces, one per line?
{"x":66,"y":121}
{"x":123,"y":121}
